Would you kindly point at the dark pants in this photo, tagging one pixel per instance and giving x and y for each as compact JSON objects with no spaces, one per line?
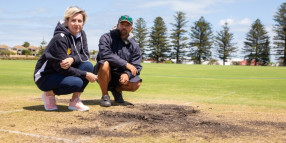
{"x":61,"y":84}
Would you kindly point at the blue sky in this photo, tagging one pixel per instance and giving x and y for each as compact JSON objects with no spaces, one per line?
{"x":33,"y":20}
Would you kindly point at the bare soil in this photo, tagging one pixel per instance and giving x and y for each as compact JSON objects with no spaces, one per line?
{"x":140,"y":122}
{"x":156,"y":119}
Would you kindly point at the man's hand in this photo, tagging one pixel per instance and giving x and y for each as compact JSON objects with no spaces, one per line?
{"x":132,"y":69}
{"x":66,"y":63}
{"x":124,"y":79}
{"x":91,"y":77}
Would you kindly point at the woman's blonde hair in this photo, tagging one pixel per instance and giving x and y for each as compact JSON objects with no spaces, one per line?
{"x":70,"y":11}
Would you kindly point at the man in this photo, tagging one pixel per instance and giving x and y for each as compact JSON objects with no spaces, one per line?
{"x":118,"y":62}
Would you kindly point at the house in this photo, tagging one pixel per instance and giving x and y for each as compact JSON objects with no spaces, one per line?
{"x":34,"y":50}
{"x":4,"y":47}
{"x":18,"y":49}
{"x":251,"y":62}
{"x":93,"y":56}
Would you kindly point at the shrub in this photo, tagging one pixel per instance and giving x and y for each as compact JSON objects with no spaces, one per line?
{"x":213,"y":62}
{"x":168,"y":62}
{"x":26,"y":52}
{"x":235,"y":63}
{"x":6,"y":52}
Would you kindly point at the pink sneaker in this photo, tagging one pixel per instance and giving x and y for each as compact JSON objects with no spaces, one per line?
{"x":77,"y":105}
{"x":49,"y":102}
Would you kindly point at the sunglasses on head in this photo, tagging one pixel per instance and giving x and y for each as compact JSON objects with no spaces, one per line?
{"x":126,"y":18}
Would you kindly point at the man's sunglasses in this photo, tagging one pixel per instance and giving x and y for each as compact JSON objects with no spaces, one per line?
{"x":126,"y":18}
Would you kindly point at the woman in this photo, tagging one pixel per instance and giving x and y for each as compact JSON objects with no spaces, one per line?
{"x":64,"y":67}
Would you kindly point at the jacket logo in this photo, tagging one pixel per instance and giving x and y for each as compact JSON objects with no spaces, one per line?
{"x":69,"y":51}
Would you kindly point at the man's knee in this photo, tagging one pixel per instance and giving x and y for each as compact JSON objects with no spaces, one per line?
{"x":135,"y":86}
{"x":104,"y":73}
{"x":104,"y":67}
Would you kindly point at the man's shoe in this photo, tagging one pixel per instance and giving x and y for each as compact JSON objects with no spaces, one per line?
{"x":49,"y":102}
{"x":77,"y":105}
{"x":117,"y":96}
{"x":105,"y":101}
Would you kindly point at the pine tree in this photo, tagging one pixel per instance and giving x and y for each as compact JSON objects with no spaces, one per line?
{"x":201,"y":40}
{"x":140,"y":35}
{"x":42,"y":47}
{"x":224,"y":43}
{"x":280,"y":30}
{"x":179,"y":40}
{"x":256,"y":45}
{"x":266,"y":51}
{"x":43,"y":43}
{"x":158,"y":44}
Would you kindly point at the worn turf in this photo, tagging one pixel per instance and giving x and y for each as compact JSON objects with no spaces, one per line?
{"x":176,"y":103}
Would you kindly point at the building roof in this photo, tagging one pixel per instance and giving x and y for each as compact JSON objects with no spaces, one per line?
{"x":19,"y":47}
{"x":4,"y":46}
{"x":33,"y":47}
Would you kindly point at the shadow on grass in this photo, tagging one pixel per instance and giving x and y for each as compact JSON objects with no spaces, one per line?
{"x":97,"y":102}
{"x":61,"y":108}
{"x":64,"y":108}
{"x":91,"y":102}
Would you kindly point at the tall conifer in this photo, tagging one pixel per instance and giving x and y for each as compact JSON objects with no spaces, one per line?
{"x":158,"y":46}
{"x":179,"y":40}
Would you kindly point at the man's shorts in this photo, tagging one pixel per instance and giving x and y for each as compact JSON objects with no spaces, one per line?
{"x":115,"y":76}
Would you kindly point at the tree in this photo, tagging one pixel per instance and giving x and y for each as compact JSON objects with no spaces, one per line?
{"x":42,"y":47}
{"x":93,"y":52}
{"x":158,"y":44}
{"x":280,"y":30}
{"x":256,"y":45}
{"x":266,"y":51}
{"x":41,"y":51}
{"x":224,"y":43}
{"x":178,"y":35}
{"x":26,"y":52}
{"x":201,"y":40}
{"x":26,"y":44}
{"x":140,"y":35}
{"x":43,"y":43}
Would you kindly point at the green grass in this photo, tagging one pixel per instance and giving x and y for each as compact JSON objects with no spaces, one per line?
{"x":240,"y":85}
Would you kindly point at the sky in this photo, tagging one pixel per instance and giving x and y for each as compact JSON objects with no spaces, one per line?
{"x":35,"y":20}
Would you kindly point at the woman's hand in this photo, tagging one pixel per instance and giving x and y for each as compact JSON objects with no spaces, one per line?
{"x":66,"y":63}
{"x":124,"y":79}
{"x":91,"y":77}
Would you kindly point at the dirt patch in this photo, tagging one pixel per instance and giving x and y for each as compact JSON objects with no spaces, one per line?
{"x":157,"y":119}
{"x":175,"y":121}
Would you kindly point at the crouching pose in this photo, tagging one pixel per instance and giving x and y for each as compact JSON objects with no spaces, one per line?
{"x":64,"y":67}
{"x":118,"y":62}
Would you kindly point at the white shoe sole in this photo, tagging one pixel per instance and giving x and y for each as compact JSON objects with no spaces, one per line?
{"x":74,"y":108}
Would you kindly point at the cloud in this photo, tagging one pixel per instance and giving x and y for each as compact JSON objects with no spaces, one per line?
{"x":19,"y":34}
{"x":229,"y":21}
{"x":237,"y":25}
{"x":236,"y":22}
{"x":35,"y":11}
{"x":196,"y":7}
{"x":245,"y":21}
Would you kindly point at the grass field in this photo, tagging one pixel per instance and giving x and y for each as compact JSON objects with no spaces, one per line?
{"x":232,"y":92}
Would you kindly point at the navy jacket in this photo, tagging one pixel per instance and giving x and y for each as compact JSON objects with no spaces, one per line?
{"x":114,"y":50}
{"x":63,"y":45}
